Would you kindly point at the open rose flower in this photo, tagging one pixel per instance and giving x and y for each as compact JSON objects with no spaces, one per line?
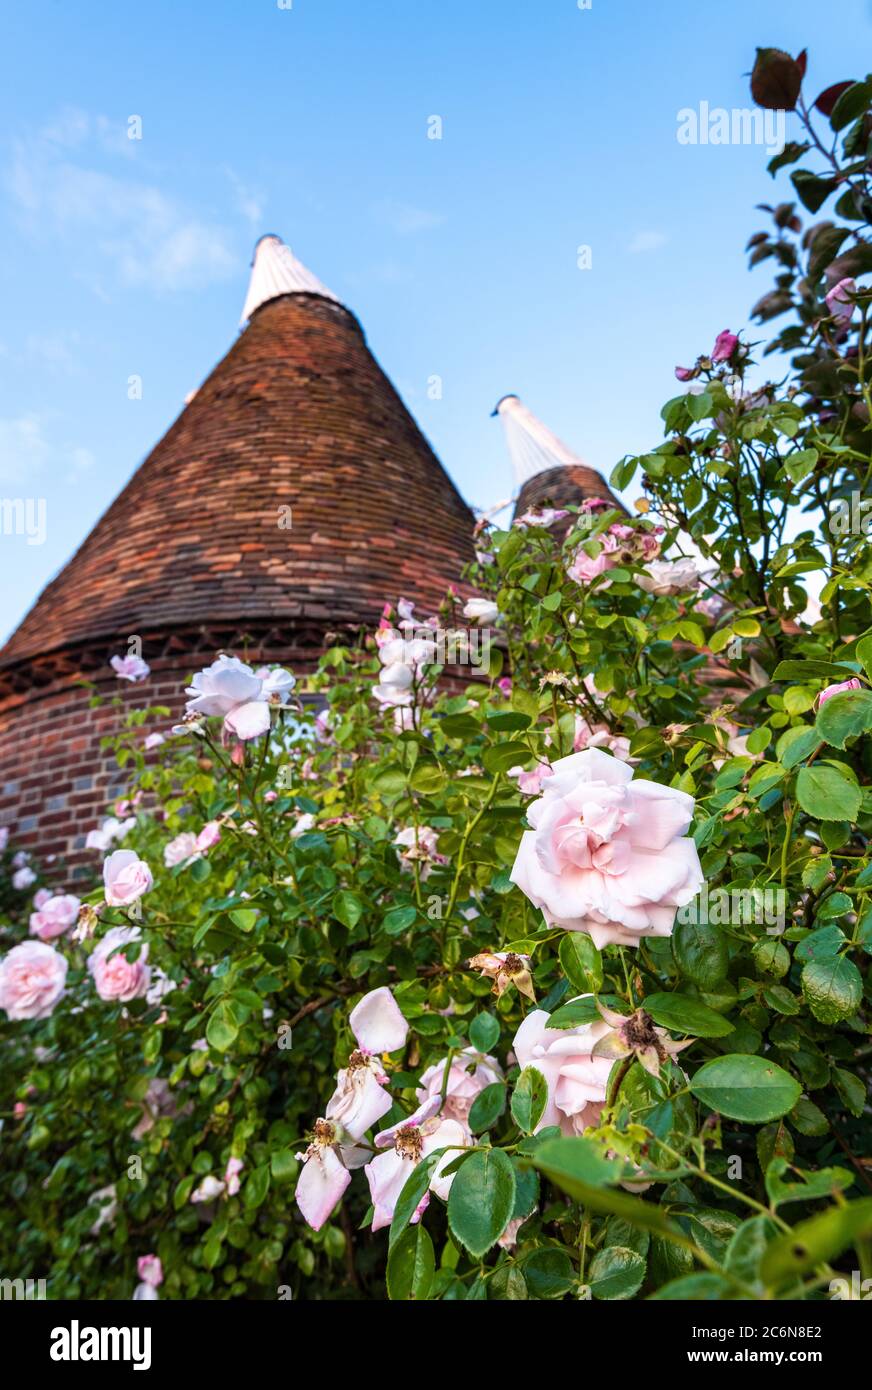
{"x":575,"y":1076}
{"x":481,"y":610}
{"x":607,"y":854}
{"x":545,"y":516}
{"x":32,"y":980}
{"x":417,"y":844}
{"x":725,"y":345}
{"x":54,"y":916}
{"x":840,"y":301}
{"x":241,"y":696}
{"x":117,"y":979}
{"x":23,"y":878}
{"x":584,"y":568}
{"x":125,"y":878}
{"x":327,"y":1165}
{"x":407,"y":1143}
{"x":130,"y":668}
{"x":110,"y":831}
{"x":665,"y":578}
{"x":181,"y":849}
{"x":468,"y":1074}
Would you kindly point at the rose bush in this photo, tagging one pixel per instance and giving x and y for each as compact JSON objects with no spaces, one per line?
{"x":556,"y":979}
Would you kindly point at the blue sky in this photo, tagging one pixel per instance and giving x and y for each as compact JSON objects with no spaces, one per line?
{"x":124,"y":257}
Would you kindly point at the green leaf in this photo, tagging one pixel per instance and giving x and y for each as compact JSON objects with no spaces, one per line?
{"x":700,"y":953}
{"x":578,"y":1167}
{"x":487,"y":1107}
{"x":411,"y":1265}
{"x":695,"y":1288}
{"x":256,"y":1187}
{"x":816,"y":1241}
{"x":484,"y":1032}
{"x":347,"y":908}
{"x":398,"y":920}
{"x":844,"y":716}
{"x":244,"y":918}
{"x":812,"y":670}
{"x":528,"y":1099}
{"x":824,"y":1182}
{"x":581,"y":962}
{"x":509,"y":721}
{"x":222,"y":1028}
{"x":833,"y":988}
{"x":549,"y":1273}
{"x":744,"y":1087}
{"x":826,"y":793}
{"x":796,"y":744}
{"x":851,"y":104}
{"x":811,"y":190}
{"x":481,"y":1201}
{"x":747,"y":1247}
{"x":460,"y":726}
{"x":616,"y":1273}
{"x":684,"y":1014}
{"x":505,"y":755}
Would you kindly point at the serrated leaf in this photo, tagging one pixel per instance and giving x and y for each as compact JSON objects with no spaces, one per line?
{"x":529,"y":1099}
{"x":745,"y":1087}
{"x":481,"y":1201}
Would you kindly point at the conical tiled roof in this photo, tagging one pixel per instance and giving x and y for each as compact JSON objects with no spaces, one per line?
{"x":294,"y":489}
{"x":548,"y":473}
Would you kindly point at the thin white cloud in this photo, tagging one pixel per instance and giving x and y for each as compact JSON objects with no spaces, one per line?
{"x":28,"y":452}
{"x":144,"y":235}
{"x":647,"y":241}
{"x":403,"y":218}
{"x":249,"y":203}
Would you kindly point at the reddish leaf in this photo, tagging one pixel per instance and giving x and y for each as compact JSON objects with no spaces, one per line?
{"x":802,"y":61}
{"x":776,"y":80}
{"x":828,"y":98}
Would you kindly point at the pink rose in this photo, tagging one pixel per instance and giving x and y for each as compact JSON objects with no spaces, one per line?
{"x":666,"y":578}
{"x":231,"y":1175}
{"x":115,"y":977}
{"x":32,"y":979}
{"x":231,"y":688}
{"x":408,"y":1142}
{"x":153,"y":741}
{"x":181,"y":849}
{"x":839,"y":301}
{"x":54,"y":916}
{"x":208,"y":836}
{"x":608,"y":855}
{"x":41,"y":897}
{"x":530,"y":783}
{"x":852,"y":684}
{"x":23,"y":878}
{"x":725,"y":345}
{"x":130,"y":668}
{"x":685,"y":373}
{"x":150,"y":1270}
{"x":469,"y":1073}
{"x":576,"y":1080}
{"x":125,"y":877}
{"x":584,"y":568}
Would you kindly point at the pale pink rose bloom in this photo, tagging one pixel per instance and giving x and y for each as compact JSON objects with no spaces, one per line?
{"x":547,"y":516}
{"x":665,"y":578}
{"x":725,"y":345}
{"x":153,"y":741}
{"x":404,"y":719}
{"x":125,"y":877}
{"x":55,"y":916}
{"x":481,"y":610}
{"x":23,"y":878}
{"x":360,"y":1099}
{"x":180,"y":849}
{"x":41,"y":897}
{"x":601,"y":737}
{"x":322,"y":726}
{"x":231,"y":1175}
{"x":111,"y":830}
{"x":418,"y":844}
{"x":115,"y":977}
{"x":231,"y":689}
{"x":469,"y":1073}
{"x":208,"y":836}
{"x":32,"y":980}
{"x":530,"y":783}
{"x":208,"y":1190}
{"x":685,"y":373}
{"x":410,"y":1141}
{"x":150,"y":1270}
{"x":607,"y":854}
{"x":852,"y":684}
{"x":839,"y":301}
{"x":321,"y":1183}
{"x":576,"y":1080}
{"x":130,"y":668}
{"x":302,"y":825}
{"x":270,"y":796}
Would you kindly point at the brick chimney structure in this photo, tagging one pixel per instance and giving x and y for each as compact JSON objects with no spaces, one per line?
{"x":292,"y":497}
{"x":547,"y":473}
